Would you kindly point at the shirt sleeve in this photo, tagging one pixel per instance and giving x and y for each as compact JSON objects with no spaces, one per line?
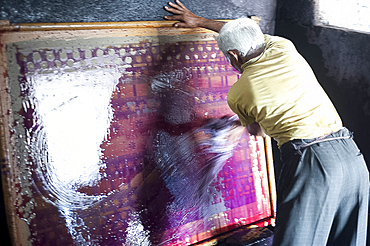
{"x":245,"y":119}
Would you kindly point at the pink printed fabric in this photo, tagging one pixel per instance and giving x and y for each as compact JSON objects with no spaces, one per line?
{"x":164,"y":92}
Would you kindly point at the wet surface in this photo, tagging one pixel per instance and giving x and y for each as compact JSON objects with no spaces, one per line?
{"x":122,"y":142}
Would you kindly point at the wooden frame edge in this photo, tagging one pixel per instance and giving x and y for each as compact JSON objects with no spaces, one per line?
{"x":271,"y":174}
{"x":6,"y":26}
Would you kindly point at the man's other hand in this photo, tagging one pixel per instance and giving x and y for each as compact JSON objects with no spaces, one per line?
{"x":255,"y":129}
{"x":181,"y":13}
{"x":188,"y":19}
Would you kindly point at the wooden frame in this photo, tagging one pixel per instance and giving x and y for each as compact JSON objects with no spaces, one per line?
{"x":137,"y":50}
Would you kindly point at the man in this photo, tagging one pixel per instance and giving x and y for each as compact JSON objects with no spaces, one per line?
{"x":324,"y":183}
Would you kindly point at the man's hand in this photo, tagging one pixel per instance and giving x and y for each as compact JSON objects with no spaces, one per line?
{"x":188,"y":19}
{"x":255,"y":129}
{"x":181,"y":13}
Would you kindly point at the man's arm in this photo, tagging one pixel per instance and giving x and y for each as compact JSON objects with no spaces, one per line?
{"x":188,"y":19}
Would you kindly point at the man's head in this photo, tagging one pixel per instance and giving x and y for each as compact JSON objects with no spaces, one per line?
{"x":239,"y":40}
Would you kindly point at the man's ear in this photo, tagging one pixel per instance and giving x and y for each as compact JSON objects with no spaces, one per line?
{"x":234,"y":54}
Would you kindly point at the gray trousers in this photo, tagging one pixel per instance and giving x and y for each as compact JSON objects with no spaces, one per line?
{"x":322,"y":193}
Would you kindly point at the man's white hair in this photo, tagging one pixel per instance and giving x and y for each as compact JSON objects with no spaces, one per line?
{"x":243,"y":35}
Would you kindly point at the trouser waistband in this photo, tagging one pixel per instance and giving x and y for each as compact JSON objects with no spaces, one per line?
{"x":297,"y":145}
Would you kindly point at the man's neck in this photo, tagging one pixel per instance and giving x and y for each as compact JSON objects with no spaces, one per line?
{"x":253,"y":55}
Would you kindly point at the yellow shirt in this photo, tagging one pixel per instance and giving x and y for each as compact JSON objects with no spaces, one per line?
{"x":279,"y":90}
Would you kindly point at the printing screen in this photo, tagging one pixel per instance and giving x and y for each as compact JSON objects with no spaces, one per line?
{"x":101,"y":146}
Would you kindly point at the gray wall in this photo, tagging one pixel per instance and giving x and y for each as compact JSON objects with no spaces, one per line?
{"x":340,"y":59}
{"x":31,"y":11}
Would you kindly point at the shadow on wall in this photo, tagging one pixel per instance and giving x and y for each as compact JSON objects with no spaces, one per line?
{"x":346,"y":83}
{"x":340,"y":61}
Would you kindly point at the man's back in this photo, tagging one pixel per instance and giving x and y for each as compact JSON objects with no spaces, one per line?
{"x":279,"y":90}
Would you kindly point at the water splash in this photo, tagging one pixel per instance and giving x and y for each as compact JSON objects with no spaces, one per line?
{"x":191,"y":161}
{"x":71,"y":118}
{"x":190,"y":158}
{"x":136,"y":234}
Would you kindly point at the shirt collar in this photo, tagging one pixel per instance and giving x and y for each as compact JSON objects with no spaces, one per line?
{"x":253,"y":60}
